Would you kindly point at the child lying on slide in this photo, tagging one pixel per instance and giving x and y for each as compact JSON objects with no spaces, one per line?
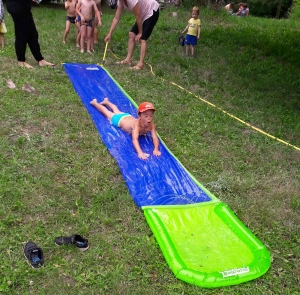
{"x":143,"y":124}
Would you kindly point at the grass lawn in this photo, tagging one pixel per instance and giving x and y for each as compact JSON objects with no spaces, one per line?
{"x":57,"y":177}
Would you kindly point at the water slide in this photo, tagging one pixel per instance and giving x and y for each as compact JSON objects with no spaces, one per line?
{"x":202,"y":240}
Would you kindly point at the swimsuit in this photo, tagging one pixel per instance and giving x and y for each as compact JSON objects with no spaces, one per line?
{"x":71,"y":19}
{"x":88,"y":23}
{"x":116,"y":119}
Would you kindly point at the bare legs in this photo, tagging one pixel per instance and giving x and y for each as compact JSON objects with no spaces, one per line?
{"x":67,"y":30}
{"x":85,"y":32}
{"x":131,"y":47}
{"x":2,"y":40}
{"x":190,"y":47}
{"x":102,"y":107}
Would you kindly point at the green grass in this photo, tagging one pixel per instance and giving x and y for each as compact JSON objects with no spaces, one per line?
{"x":57,"y":177}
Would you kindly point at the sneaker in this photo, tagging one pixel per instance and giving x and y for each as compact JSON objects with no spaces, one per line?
{"x":76,"y":240}
{"x":34,"y":255}
{"x":81,"y":243}
{"x":63,"y":241}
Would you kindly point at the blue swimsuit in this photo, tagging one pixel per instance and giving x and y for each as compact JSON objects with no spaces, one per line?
{"x":116,"y":119}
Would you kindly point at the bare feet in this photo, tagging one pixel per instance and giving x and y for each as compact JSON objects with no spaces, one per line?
{"x":77,"y":45}
{"x":43,"y":63}
{"x":94,"y":102}
{"x":25,"y":64}
{"x":64,"y":41}
{"x":105,"y":101}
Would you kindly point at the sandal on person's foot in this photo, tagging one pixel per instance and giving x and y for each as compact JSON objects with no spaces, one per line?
{"x":136,"y":68}
{"x":124,"y":62}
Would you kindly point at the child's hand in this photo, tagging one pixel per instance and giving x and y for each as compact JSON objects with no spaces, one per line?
{"x":156,"y":153}
{"x":143,"y":156}
{"x":100,"y":23}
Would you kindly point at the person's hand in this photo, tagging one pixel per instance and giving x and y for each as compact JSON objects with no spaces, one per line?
{"x":100,"y":23}
{"x":156,"y":153}
{"x":107,"y":38}
{"x":143,"y":156}
{"x":138,"y":37}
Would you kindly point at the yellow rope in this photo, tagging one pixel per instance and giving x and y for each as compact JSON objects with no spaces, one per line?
{"x":103,"y":60}
{"x":223,"y":111}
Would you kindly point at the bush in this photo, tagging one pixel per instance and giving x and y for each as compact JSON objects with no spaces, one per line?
{"x":295,"y":10}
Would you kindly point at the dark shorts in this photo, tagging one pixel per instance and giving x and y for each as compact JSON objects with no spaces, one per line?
{"x":71,"y":19}
{"x":88,"y":23}
{"x":148,"y":26}
{"x":190,"y":40}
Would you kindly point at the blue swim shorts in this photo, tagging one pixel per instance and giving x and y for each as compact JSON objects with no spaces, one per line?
{"x":190,"y":40}
{"x":116,"y":119}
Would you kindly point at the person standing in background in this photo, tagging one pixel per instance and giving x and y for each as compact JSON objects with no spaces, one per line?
{"x":25,"y":32}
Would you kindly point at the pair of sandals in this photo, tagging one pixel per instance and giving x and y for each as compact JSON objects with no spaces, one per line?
{"x":125,"y":62}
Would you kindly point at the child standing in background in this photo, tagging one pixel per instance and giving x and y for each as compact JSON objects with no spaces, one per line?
{"x":2,"y":23}
{"x":86,"y":9}
{"x":193,"y":29}
{"x":70,"y":6}
{"x":95,"y":30}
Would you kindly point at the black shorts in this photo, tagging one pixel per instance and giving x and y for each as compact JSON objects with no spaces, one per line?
{"x":148,"y":25}
{"x":71,"y":19}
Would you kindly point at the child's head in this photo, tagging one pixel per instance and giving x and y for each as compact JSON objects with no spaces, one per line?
{"x":195,"y":12}
{"x":146,"y":112}
{"x":145,"y":106}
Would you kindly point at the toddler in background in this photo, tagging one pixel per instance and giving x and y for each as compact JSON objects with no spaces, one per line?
{"x":70,"y":6}
{"x":86,"y":9}
{"x":193,"y":29}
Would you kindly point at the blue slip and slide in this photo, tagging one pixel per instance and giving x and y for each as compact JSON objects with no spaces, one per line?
{"x":202,"y":240}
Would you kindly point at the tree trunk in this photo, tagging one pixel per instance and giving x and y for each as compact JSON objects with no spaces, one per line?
{"x":278,"y":9}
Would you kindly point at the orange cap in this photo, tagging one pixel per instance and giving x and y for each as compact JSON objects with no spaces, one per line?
{"x":144,"y":106}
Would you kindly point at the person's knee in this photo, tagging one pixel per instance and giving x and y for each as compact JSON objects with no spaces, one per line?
{"x":131,"y":35}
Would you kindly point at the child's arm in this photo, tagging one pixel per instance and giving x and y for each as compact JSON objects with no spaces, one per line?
{"x":186,"y":28}
{"x":97,"y":14}
{"x":156,"y":152}
{"x":136,"y":144}
{"x":78,"y":7}
{"x":67,"y":4}
{"x":199,"y":30}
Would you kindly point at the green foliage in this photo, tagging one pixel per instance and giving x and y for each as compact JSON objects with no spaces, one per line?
{"x":295,"y":11}
{"x":268,"y":8}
